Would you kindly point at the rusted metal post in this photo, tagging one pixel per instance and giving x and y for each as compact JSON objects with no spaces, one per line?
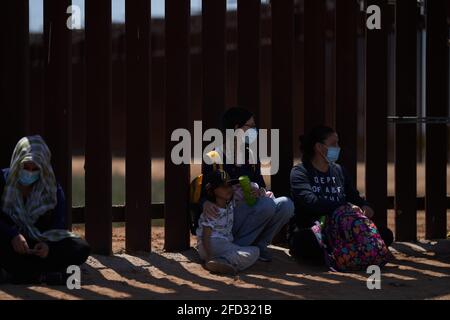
{"x":405,"y":134}
{"x":346,"y":83}
{"x":214,"y":61}
{"x":138,"y":152}
{"x":437,"y":85}
{"x":58,"y":94}
{"x":98,"y":126}
{"x":282,"y":89}
{"x":330,"y":62}
{"x":177,"y":114}
{"x":314,"y":57}
{"x":249,"y":56}
{"x":14,"y":75}
{"x":376,"y":115}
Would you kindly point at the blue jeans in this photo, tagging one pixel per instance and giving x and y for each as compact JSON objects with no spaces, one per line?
{"x":259,"y":224}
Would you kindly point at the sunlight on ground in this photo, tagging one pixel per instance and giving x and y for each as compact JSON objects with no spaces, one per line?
{"x":418,"y":272}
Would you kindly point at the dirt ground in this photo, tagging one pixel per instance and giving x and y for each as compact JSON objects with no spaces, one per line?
{"x":419,"y":271}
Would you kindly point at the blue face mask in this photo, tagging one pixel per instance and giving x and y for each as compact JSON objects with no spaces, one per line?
{"x":333,"y":154}
{"x":27,"y":178}
{"x":251,"y":135}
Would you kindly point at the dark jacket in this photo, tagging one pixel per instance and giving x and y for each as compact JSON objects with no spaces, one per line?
{"x":316,"y":194}
{"x":54,"y":219}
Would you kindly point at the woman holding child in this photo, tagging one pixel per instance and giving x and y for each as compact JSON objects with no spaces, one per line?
{"x":254,"y":226}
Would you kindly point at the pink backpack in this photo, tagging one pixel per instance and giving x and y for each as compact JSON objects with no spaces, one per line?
{"x":353,"y":241}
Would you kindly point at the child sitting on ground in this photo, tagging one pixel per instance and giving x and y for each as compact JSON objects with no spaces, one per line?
{"x":215,"y":239}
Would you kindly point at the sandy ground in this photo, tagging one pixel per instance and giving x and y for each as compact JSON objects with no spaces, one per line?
{"x":420,"y":271}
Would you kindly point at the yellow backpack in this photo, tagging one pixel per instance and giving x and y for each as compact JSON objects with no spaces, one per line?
{"x":196,"y":191}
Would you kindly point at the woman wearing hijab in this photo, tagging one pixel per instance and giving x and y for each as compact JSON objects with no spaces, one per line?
{"x":34,"y":244}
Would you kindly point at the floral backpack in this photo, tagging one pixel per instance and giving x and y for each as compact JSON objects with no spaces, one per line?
{"x":352,"y":241}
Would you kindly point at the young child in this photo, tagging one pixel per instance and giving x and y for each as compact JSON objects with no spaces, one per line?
{"x":215,"y":239}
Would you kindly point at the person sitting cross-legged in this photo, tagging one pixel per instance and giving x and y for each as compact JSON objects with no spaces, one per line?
{"x":35,"y":247}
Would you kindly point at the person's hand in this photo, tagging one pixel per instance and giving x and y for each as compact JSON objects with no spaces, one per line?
{"x":41,"y":249}
{"x":20,"y":245}
{"x":368,"y":212}
{"x":256,"y":190}
{"x":210,"y":210}
{"x":256,"y":193}
{"x":262,"y":192}
{"x":269,"y":194}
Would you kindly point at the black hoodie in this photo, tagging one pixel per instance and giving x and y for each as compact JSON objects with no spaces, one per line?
{"x":317,"y":194}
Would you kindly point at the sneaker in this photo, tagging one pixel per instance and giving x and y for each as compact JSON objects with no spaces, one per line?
{"x":220,"y":266}
{"x":265,"y":256}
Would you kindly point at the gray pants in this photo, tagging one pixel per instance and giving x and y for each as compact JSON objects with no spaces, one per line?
{"x":240,"y":257}
{"x":258,"y":225}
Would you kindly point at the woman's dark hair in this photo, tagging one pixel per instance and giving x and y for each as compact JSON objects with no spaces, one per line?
{"x":236,"y":116}
{"x":307,"y":142}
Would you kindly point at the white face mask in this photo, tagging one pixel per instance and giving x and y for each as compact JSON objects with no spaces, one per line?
{"x":250,"y":136}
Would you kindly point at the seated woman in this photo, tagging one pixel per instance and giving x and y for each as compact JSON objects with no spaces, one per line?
{"x":322,"y":189}
{"x":34,"y":245}
{"x":253,"y":225}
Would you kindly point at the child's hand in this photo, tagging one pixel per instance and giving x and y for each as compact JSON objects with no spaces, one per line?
{"x":210,"y":210}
